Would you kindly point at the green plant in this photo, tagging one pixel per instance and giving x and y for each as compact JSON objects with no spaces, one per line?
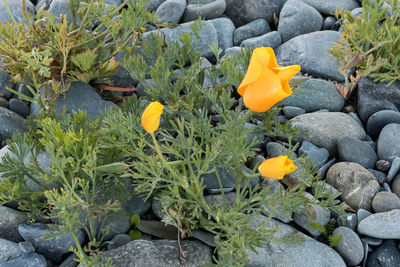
{"x":134,"y":233}
{"x":373,"y":37}
{"x":333,"y":240}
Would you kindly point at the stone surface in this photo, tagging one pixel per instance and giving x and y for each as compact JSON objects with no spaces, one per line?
{"x":317,"y":155}
{"x":357,"y":185}
{"x":170,"y":11}
{"x":328,"y":7}
{"x":206,"y":11}
{"x":348,"y":220}
{"x":9,"y":221}
{"x":386,"y":255}
{"x":313,"y":213}
{"x":379,"y":120}
{"x":308,"y":252}
{"x":324,"y":169}
{"x":5,"y":79}
{"x":354,"y":150}
{"x":316,"y":94}
{"x":311,"y":52}
{"x":60,"y":7}
{"x":373,"y":97}
{"x":26,"y":260}
{"x":253,"y":29}
{"x":394,"y":169}
{"x":118,"y":241}
{"x":385,"y":201}
{"x":384,"y":225}
{"x":16,"y":10}
{"x":271,"y":39}
{"x":328,"y":23}
{"x":19,"y":107}
{"x":383,"y":165}
{"x":54,"y":248}
{"x":9,"y":250}
{"x":225,"y":29}
{"x":388,"y":145}
{"x":10,"y":123}
{"x":362,"y":214}
{"x":297,"y":18}
{"x":152,"y":5}
{"x":396,"y":185}
{"x":291,"y":112}
{"x":350,"y":247}
{"x":324,"y":129}
{"x":26,"y":247}
{"x":227,"y":200}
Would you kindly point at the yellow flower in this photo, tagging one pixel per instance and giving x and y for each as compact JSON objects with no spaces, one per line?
{"x":265,"y":83}
{"x":151,"y":117}
{"x":276,"y":167}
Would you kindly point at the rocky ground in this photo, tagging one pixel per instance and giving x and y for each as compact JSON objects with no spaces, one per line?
{"x":355,"y":146}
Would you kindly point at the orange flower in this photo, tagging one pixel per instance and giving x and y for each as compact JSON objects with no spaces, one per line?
{"x":265,"y":83}
{"x":277,"y":167}
{"x":151,"y":117}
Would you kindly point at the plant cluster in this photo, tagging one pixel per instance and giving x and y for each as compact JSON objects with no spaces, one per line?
{"x":95,"y":165}
{"x":371,"y":41}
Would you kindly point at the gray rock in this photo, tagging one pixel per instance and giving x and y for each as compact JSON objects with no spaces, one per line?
{"x":350,"y":247}
{"x":225,"y":29}
{"x":26,"y":247}
{"x":379,"y":120}
{"x":207,"y":11}
{"x":373,"y":241}
{"x":19,"y":107}
{"x":362,"y":214}
{"x":152,"y":5}
{"x":118,"y":241}
{"x":357,"y":185}
{"x":385,"y":201}
{"x":324,"y":169}
{"x":384,"y":225}
{"x":9,"y":250}
{"x":316,"y":94}
{"x":396,"y":185}
{"x":291,"y":112}
{"x":324,"y":129}
{"x":16,"y":10}
{"x":275,"y":149}
{"x":205,"y":237}
{"x":156,"y":208}
{"x":231,"y":51}
{"x":394,"y":169}
{"x":9,"y":221}
{"x":311,"y":52}
{"x":271,"y":39}
{"x":61,"y":7}
{"x":297,"y":18}
{"x":211,"y":180}
{"x":226,"y":200}
{"x":54,"y":248}
{"x":5,"y":79}
{"x":379,"y":176}
{"x":171,"y":11}
{"x":160,"y":253}
{"x":356,"y":118}
{"x":10,"y":123}
{"x":373,"y":97}
{"x":45,"y":4}
{"x":349,"y":220}
{"x":245,"y":11}
{"x":389,"y":142}
{"x":354,"y":150}
{"x":386,"y":255}
{"x":317,"y":155}
{"x":26,"y":260}
{"x":4,"y":103}
{"x":328,"y":7}
{"x":253,"y":29}
{"x":323,"y":187}
{"x":328,"y":23}
{"x":307,"y":252}
{"x":70,"y":261}
{"x":383,"y":165}
{"x":198,"y":2}
{"x":207,"y":36}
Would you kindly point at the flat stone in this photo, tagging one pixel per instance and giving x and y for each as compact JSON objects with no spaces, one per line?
{"x":204,"y":236}
{"x":26,"y":260}
{"x":253,"y":29}
{"x":357,"y":185}
{"x":291,"y":112}
{"x":210,"y":180}
{"x":297,"y":18}
{"x":10,"y":123}
{"x":271,"y":39}
{"x":394,"y":169}
{"x":354,"y":150}
{"x":316,"y":94}
{"x":328,"y":7}
{"x":324,"y":129}
{"x":317,"y":155}
{"x":26,"y":247}
{"x":19,"y":107}
{"x":379,"y":176}
{"x":313,"y":213}
{"x":385,"y":201}
{"x":225,"y":29}
{"x":9,"y":250}
{"x":388,"y":145}
{"x":384,"y":225}
{"x":170,"y":11}
{"x":379,"y":120}
{"x":9,"y":221}
{"x":350,"y":247}
{"x":324,"y":169}
{"x":311,"y":52}
{"x":206,"y":11}
{"x":118,"y":241}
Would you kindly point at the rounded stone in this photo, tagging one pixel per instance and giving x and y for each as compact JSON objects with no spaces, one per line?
{"x":291,"y":112}
{"x":19,"y":107}
{"x":328,"y":23}
{"x":389,"y":142}
{"x":317,"y":155}
{"x":206,"y":11}
{"x":271,"y":39}
{"x":354,"y":150}
{"x":171,"y":11}
{"x":255,"y":28}
{"x":379,"y":120}
{"x":225,"y":30}
{"x":396,"y":185}
{"x":384,"y":225}
{"x":350,"y":247}
{"x":385,"y":201}
{"x":328,"y":7}
{"x":386,"y":255}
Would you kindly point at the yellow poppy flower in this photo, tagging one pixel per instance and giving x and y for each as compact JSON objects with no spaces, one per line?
{"x":151,"y":116}
{"x":276,"y":167}
{"x":265,"y":83}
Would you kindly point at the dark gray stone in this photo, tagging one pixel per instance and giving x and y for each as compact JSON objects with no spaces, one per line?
{"x":386,"y":255}
{"x":354,"y":150}
{"x":70,"y":261}
{"x":324,"y":129}
{"x":373,"y":241}
{"x":19,"y":107}
{"x":317,"y":155}
{"x":385,"y":201}
{"x":54,"y":249}
{"x":204,"y":236}
{"x":118,"y":241}
{"x":350,"y":247}
{"x":207,"y":11}
{"x":384,"y":225}
{"x":328,"y":23}
{"x":389,"y":142}
{"x":379,"y":176}
{"x":10,"y":123}
{"x":23,"y":89}
{"x":373,"y":97}
{"x":171,"y":11}
{"x":356,"y":118}
{"x":328,"y":7}
{"x":26,"y":260}
{"x":291,"y":112}
{"x":362,"y":214}
{"x":26,"y":247}
{"x":5,"y":79}
{"x":323,"y":187}
{"x":349,"y":220}
{"x":271,"y":39}
{"x":9,"y":250}
{"x":396,"y":185}
{"x":316,"y":94}
{"x":16,"y":10}
{"x":226,"y":200}
{"x":253,"y":29}
{"x":324,"y":169}
{"x":156,"y":208}
{"x":9,"y":221}
{"x":275,"y":149}
{"x":225,"y":29}
{"x":211,"y":179}
{"x":311,"y":52}
{"x":297,"y":18}
{"x":357,"y":185}
{"x":60,"y":7}
{"x":152,"y":5}
{"x":379,"y":120}
{"x":394,"y":169}
{"x":4,"y":103}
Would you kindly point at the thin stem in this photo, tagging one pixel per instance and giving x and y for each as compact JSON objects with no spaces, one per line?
{"x":158,"y":150}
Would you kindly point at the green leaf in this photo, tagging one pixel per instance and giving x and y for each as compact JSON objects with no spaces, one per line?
{"x":135,"y":220}
{"x":135,"y":234}
{"x":334,"y":240}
